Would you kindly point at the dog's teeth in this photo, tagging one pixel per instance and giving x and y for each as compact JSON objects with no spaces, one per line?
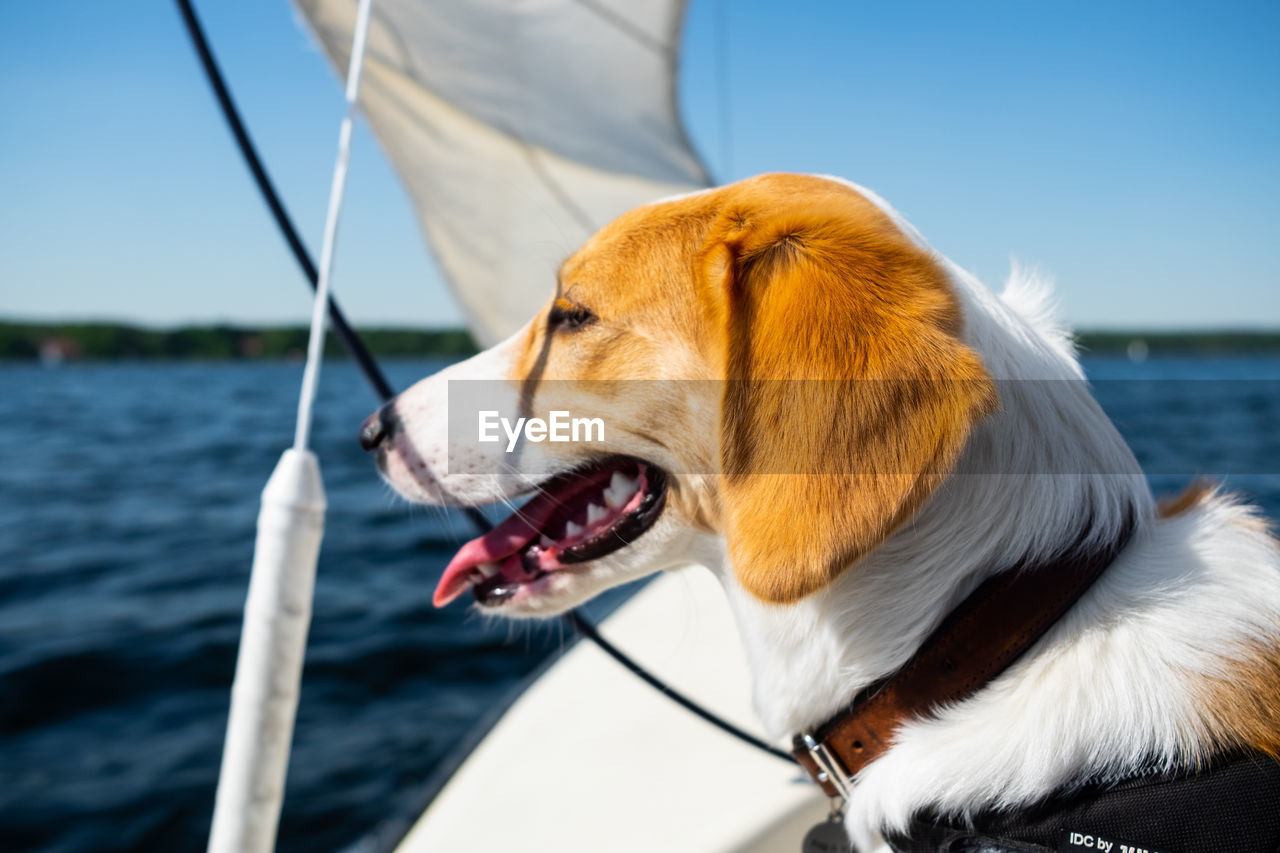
{"x":488,"y":569}
{"x":612,"y":499}
{"x":622,"y":485}
{"x":571,"y":530}
{"x":546,"y":541}
{"x":595,"y":513}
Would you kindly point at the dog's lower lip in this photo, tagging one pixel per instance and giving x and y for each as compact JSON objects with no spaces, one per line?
{"x":494,"y":591}
{"x":576,"y":517}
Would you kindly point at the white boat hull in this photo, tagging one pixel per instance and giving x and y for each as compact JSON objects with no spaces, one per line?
{"x":590,"y":758}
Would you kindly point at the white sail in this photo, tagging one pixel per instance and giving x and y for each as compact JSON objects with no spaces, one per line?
{"x":519,"y":127}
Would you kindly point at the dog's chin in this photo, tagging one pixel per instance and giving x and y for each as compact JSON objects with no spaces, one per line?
{"x":561,"y":591}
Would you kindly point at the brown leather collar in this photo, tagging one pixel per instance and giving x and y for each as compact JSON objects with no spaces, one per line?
{"x":990,"y":629}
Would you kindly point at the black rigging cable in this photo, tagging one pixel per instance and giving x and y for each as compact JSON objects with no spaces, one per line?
{"x":586,"y":629}
{"x":356,"y":348}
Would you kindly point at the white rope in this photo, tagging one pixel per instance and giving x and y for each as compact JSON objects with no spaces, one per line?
{"x":320,"y":308}
{"x":277,"y":611}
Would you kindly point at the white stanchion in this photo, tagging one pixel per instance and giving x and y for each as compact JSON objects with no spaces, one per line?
{"x":320,"y":307}
{"x":264,"y":696}
{"x":277,"y":614}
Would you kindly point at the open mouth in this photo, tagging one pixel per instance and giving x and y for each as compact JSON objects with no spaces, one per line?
{"x":575,"y":517}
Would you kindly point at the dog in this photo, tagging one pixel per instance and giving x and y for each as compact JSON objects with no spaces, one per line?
{"x":854,"y":435}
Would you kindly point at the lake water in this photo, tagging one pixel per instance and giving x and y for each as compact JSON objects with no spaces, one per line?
{"x":128,"y":495}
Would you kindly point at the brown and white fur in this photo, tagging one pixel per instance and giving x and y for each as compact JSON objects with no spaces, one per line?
{"x":835,"y":579}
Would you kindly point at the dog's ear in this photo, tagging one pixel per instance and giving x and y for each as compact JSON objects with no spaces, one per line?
{"x":848,"y":394}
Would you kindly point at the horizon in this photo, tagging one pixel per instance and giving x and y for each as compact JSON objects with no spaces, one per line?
{"x":254,"y":327}
{"x":1129,"y":152}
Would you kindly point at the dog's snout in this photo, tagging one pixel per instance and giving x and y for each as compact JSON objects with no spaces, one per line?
{"x":378,"y":427}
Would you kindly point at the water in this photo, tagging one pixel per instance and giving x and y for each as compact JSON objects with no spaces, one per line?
{"x":128,"y":496}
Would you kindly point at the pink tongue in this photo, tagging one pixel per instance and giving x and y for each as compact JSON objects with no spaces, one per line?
{"x":508,"y":538}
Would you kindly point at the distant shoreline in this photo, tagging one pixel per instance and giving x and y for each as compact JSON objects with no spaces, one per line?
{"x":223,"y":342}
{"x":117,"y":341}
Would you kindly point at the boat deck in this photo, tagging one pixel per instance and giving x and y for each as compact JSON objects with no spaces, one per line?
{"x":589,"y":758}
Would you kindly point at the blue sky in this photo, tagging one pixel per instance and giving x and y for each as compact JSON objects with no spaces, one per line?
{"x":1131,"y":149}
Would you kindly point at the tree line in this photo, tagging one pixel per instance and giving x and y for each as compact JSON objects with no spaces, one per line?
{"x":116,"y":341}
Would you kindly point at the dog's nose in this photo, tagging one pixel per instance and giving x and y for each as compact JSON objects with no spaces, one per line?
{"x":378,"y":427}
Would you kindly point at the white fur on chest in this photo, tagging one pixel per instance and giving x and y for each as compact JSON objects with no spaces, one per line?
{"x":1106,"y":692}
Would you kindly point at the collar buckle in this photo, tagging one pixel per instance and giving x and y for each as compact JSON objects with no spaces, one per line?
{"x":828,"y":768}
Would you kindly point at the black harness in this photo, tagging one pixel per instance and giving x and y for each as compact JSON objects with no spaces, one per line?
{"x":1232,"y":806}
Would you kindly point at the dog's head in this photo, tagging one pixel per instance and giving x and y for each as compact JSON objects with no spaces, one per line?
{"x":774,"y":362}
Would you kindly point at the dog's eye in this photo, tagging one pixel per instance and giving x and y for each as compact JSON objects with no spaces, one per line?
{"x":568,"y":315}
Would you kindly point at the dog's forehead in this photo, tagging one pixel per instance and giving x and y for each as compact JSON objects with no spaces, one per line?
{"x":692,"y":213}
{"x":645,"y":234}
{"x":647,"y":254}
